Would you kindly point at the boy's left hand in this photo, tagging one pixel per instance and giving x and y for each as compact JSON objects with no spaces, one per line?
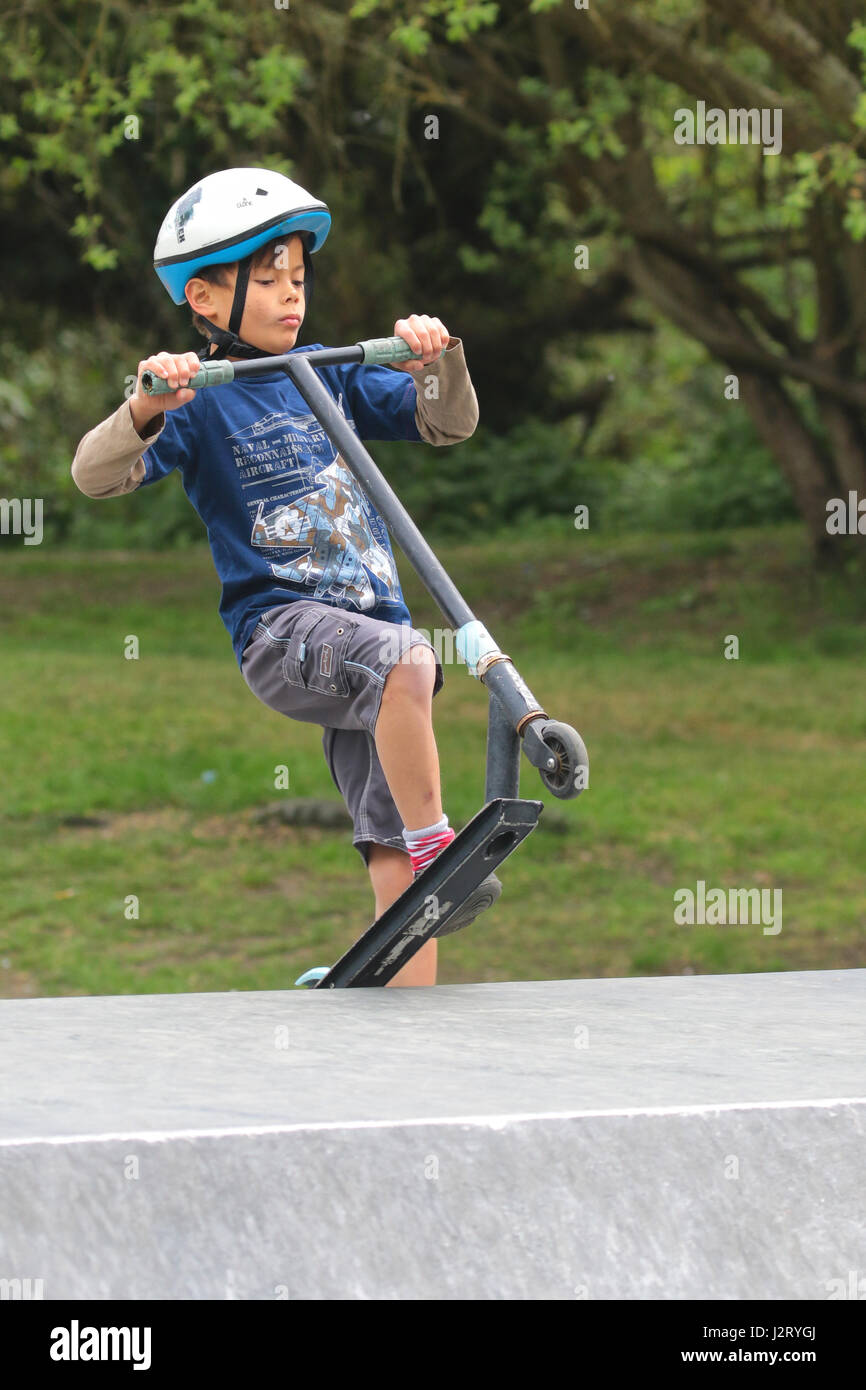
{"x":423,"y":334}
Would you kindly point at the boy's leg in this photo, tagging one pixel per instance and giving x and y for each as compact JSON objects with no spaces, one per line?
{"x":358,"y":774}
{"x":322,"y":666}
{"x":391,"y":875}
{"x":405,"y":721}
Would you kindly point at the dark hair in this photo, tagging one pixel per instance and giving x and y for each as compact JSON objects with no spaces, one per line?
{"x":219,"y":274}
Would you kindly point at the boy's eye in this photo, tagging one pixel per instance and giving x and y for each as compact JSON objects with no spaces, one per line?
{"x":270,"y":282}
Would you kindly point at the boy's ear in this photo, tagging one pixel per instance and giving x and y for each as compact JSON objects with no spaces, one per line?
{"x":199,"y":297}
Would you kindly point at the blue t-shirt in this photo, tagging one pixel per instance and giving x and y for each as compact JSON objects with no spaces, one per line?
{"x":285,"y":517}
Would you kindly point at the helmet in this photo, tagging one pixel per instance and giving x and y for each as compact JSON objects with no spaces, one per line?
{"x":226,"y":217}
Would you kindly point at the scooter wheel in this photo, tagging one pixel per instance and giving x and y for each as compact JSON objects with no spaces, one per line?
{"x":570,"y":775}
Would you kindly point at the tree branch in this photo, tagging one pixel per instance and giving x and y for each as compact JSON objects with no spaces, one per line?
{"x":798,"y":53}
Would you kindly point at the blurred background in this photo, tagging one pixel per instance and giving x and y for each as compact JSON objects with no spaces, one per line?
{"x":663,"y":309}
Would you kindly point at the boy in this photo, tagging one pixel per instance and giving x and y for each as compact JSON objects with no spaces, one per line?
{"x":310,"y":592}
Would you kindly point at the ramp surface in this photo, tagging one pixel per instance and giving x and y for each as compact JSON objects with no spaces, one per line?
{"x":675,"y":1138}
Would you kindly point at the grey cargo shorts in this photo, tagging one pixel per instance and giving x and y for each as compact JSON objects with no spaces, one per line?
{"x":324,"y":665}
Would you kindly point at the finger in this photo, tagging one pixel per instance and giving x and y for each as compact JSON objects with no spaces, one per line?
{"x":422,"y":333}
{"x":403,"y":329}
{"x":152,"y":365}
{"x":163,"y":366}
{"x":438,"y":338}
{"x":422,"y":328}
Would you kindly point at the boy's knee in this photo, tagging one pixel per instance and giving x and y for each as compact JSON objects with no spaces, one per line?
{"x":415,"y":672}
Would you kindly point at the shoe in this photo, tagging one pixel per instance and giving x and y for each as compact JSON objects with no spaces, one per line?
{"x":479,"y":900}
{"x":311,"y":978}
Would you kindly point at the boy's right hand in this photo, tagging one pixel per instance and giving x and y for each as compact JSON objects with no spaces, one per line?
{"x":176,"y":368}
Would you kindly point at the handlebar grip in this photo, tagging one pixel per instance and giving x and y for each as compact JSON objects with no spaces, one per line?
{"x":381,"y":351}
{"x":209,"y":374}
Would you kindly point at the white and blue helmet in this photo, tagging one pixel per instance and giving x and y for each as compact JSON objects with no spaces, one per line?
{"x":226,"y":217}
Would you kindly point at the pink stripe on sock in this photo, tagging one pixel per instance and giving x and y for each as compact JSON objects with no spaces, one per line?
{"x":426,"y":850}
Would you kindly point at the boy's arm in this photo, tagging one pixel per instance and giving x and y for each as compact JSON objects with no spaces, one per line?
{"x":449,"y":413}
{"x":108,"y":460}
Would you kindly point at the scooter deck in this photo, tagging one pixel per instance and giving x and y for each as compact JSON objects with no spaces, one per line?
{"x":435,"y":895}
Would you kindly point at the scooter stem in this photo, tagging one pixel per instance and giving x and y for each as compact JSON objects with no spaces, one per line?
{"x":512,"y":704}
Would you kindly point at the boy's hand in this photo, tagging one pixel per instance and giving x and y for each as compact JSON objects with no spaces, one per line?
{"x":176,"y":368}
{"x":423,"y":334}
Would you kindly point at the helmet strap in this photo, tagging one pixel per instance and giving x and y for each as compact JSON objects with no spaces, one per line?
{"x":243,"y":279}
{"x":308,"y":276}
{"x":229,"y":344}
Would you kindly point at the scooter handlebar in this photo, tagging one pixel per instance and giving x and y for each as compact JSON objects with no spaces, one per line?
{"x":376,"y":352}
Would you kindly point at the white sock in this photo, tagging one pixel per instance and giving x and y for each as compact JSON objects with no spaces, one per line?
{"x":413,"y":836}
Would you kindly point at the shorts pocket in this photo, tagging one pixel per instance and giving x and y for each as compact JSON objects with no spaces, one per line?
{"x":315,"y":656}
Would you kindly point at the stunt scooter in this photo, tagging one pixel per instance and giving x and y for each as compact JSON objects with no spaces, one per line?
{"x":515,"y":719}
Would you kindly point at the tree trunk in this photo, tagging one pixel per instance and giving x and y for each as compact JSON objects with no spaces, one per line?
{"x":799,"y":456}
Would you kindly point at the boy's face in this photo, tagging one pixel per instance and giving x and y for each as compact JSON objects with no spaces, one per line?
{"x":274,"y":306}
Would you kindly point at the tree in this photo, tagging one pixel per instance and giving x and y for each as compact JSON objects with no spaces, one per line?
{"x":758,"y":257}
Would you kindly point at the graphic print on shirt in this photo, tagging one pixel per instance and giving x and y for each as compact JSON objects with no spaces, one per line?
{"x":316,"y":530}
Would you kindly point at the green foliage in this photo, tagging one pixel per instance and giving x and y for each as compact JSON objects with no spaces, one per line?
{"x":731,"y":482}
{"x":837,"y":165}
{"x":411,"y":29}
{"x":194,"y":68}
{"x":590,"y":122}
{"x":50,"y":399}
{"x":491,"y":481}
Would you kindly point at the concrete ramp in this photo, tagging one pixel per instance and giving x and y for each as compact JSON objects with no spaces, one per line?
{"x":674,"y":1138}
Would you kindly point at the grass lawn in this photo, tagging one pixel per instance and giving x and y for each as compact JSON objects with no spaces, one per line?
{"x":741,"y":773}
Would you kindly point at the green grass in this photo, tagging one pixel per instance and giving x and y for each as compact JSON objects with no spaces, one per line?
{"x":745,"y":773}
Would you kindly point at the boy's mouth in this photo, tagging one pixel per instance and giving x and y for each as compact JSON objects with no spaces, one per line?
{"x":293,"y":319}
